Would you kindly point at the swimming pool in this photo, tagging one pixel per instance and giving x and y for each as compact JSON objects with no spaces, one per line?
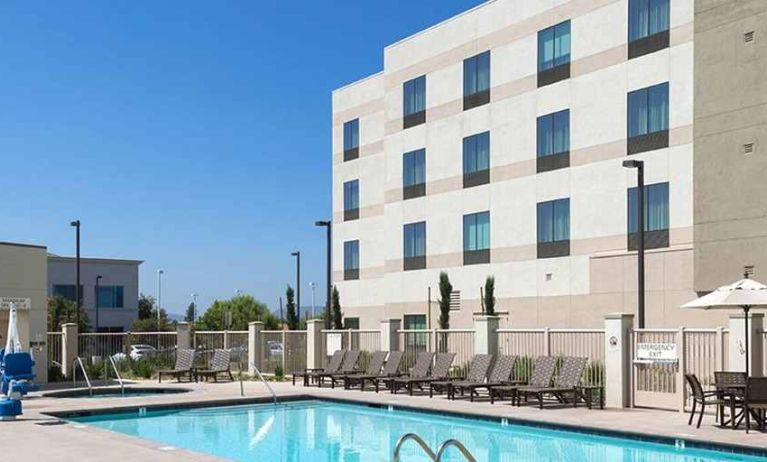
{"x":324,"y":431}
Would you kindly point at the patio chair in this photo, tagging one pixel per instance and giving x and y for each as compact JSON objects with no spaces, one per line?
{"x":220,"y":364}
{"x":499,"y":375}
{"x":311,"y":373}
{"x":373,"y":368}
{"x":543,"y":371}
{"x":390,"y":369}
{"x":704,"y":398}
{"x":420,"y":370}
{"x":566,"y":383}
{"x":478,"y":368}
{"x":184,"y":366}
{"x":348,"y":365}
{"x":755,"y":399}
{"x":439,"y":372}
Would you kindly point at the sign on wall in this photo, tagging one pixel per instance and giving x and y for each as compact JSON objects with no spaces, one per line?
{"x":333,"y":343}
{"x":20,"y":302}
{"x":656,"y":353}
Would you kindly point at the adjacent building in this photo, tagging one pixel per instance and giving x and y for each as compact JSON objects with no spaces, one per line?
{"x":112,"y":302}
{"x":493,"y":143}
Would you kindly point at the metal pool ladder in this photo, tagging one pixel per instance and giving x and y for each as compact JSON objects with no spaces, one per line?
{"x":255,"y":368}
{"x":117,"y":374}
{"x":79,"y":362}
{"x":432,"y":456}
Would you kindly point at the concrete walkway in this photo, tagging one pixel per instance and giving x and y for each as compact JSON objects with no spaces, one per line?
{"x":34,"y":438}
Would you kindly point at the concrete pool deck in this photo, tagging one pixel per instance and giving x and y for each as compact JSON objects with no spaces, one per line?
{"x":34,"y":437}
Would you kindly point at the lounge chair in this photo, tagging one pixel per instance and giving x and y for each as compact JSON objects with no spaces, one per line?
{"x":755,"y":399}
{"x":390,"y":369}
{"x":311,"y":373}
{"x":499,"y":375}
{"x":17,"y":368}
{"x":439,"y":372}
{"x":348,"y":366}
{"x":478,"y":368}
{"x":543,"y":371}
{"x":220,"y":364}
{"x":373,"y":368}
{"x":566,"y":383}
{"x":420,"y":370}
{"x":184,"y":366}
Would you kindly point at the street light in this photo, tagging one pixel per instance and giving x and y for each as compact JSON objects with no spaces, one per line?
{"x":639,"y":165}
{"x":98,"y":279}
{"x":76,"y":224}
{"x":327,"y":224}
{"x":160,"y":272}
{"x":313,"y":285}
{"x":297,"y":254}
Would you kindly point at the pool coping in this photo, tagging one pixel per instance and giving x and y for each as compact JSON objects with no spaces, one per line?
{"x":85,"y":393}
{"x":673,"y":441}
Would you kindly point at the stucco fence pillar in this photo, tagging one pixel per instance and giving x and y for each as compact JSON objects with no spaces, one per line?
{"x":69,"y":350}
{"x":254,"y":346}
{"x":618,"y":354}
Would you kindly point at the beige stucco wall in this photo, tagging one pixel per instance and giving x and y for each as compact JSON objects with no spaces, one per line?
{"x":730,"y":111}
{"x":23,"y":274}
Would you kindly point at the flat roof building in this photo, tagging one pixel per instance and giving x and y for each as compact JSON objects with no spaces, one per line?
{"x":493,"y":142}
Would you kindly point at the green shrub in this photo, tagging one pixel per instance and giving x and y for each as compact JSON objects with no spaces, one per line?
{"x":143,"y":368}
{"x":279,"y":374}
{"x":55,"y":374}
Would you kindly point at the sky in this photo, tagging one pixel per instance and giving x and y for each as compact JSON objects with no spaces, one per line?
{"x":192,"y":135}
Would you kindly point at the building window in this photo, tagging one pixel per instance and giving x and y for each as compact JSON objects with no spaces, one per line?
{"x":648,"y":26}
{"x":351,"y":260}
{"x":352,"y":139}
{"x":67,"y":291}
{"x":414,"y":174}
{"x":476,"y":160}
{"x":476,"y":238}
{"x":415,"y":341}
{"x":476,"y":80}
{"x":648,"y":119}
{"x":414,"y":246}
{"x":554,"y":141}
{"x":554,"y":54}
{"x":351,"y":200}
{"x":414,"y":104}
{"x":554,"y":228}
{"x":656,"y":216}
{"x":110,"y":297}
{"x":352,"y":323}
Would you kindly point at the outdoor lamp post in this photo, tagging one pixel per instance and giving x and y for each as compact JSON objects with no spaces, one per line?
{"x":98,"y":280}
{"x":297,"y":254}
{"x":328,"y":288}
{"x":76,"y":224}
{"x":639,"y":165}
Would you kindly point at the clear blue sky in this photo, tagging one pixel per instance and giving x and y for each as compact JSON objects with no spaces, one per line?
{"x":192,"y":135}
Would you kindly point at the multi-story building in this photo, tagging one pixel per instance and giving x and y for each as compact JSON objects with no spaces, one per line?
{"x":117,"y":297}
{"x":493,"y":144}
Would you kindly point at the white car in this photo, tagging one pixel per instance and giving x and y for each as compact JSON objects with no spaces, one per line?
{"x":274,"y":349}
{"x":141,"y":351}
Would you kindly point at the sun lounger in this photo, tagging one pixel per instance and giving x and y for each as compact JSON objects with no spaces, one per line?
{"x":499,"y":375}
{"x":439,"y":372}
{"x":478,"y":368}
{"x":419,"y":370}
{"x":348,"y":365}
{"x":333,"y":366}
{"x":219,"y":365}
{"x":184,"y":366}
{"x":543,"y":371}
{"x":373,"y":368}
{"x":565,"y":384}
{"x":390,"y":369}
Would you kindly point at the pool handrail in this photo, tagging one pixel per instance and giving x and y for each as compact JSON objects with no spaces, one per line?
{"x":78,"y":361}
{"x":426,"y":449}
{"x":117,"y":373}
{"x":458,"y":445}
{"x":258,"y":372}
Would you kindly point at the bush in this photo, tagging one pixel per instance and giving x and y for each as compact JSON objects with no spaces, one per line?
{"x":55,"y":374}
{"x":143,"y":368}
{"x":279,"y":374}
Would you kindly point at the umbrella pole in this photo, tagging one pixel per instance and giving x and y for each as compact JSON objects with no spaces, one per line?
{"x":746,"y":308}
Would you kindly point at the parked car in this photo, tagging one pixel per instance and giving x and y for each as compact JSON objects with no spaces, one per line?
{"x":274,"y":350}
{"x":141,"y":351}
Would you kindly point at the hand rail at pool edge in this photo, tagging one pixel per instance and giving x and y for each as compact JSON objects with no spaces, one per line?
{"x":117,"y":373}
{"x":242,"y":391}
{"x":458,"y":445}
{"x":425,"y":447}
{"x":79,"y":361}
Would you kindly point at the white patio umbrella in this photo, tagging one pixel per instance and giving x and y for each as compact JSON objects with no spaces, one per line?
{"x":745,"y":294}
{"x":13,"y":344}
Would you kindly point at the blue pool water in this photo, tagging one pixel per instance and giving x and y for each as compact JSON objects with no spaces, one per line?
{"x":321,"y":431}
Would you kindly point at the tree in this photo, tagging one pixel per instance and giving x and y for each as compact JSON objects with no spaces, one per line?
{"x":62,"y":311}
{"x":145,"y":306}
{"x":338,"y":316}
{"x":490,"y":296}
{"x":243,"y":309}
{"x":152,"y":324}
{"x":291,"y":317}
{"x":445,"y":290}
{"x":189,"y":316}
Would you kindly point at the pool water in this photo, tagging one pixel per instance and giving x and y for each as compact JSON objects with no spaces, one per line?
{"x":333,"y":432}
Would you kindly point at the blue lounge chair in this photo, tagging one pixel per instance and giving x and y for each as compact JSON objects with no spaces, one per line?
{"x":17,"y":368}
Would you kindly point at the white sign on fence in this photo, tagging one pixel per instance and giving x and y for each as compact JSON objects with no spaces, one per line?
{"x":21,"y":303}
{"x":333,"y":343}
{"x":656,"y":353}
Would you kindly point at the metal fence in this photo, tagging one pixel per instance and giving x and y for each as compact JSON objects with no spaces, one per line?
{"x":364,"y":340}
{"x":55,"y":349}
{"x":94,"y":347}
{"x":283,"y":348}
{"x":458,"y":341}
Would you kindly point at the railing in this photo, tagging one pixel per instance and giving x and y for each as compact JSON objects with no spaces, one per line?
{"x":364,"y":340}
{"x":79,"y":362}
{"x":54,"y":349}
{"x":427,"y":450}
{"x":283,"y":348}
{"x":94,"y":347}
{"x":117,"y":374}
{"x":260,"y":376}
{"x":458,"y":341}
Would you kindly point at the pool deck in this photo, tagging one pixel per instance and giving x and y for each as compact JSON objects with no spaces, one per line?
{"x":27,"y":438}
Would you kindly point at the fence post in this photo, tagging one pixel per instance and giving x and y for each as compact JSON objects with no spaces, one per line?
{"x":284,"y":339}
{"x":389,"y":335}
{"x":618,"y":389}
{"x":719,"y":349}
{"x":226,"y":340}
{"x":682,"y":367}
{"x":349,"y":344}
{"x":68,"y":347}
{"x":486,"y":335}
{"x":546,"y":342}
{"x":314,"y":351}
{"x":254,"y":346}
{"x":183,"y":338}
{"x":738,"y":343}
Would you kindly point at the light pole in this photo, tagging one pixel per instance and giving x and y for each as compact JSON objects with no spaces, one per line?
{"x":313,"y":285}
{"x":297,"y":254}
{"x":76,"y":224}
{"x":194,"y":309}
{"x":639,"y":165}
{"x":327,"y":225}
{"x":160,"y":272}
{"x":98,"y":279}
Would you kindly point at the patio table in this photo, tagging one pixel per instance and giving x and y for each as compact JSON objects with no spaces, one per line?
{"x":734,"y":392}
